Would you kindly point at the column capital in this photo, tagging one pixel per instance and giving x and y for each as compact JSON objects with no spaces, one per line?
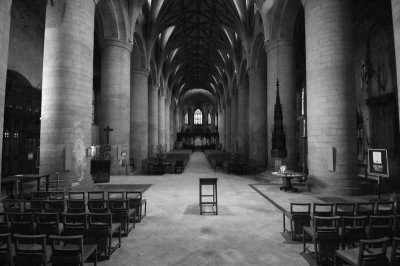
{"x":305,"y":2}
{"x":162,"y":96}
{"x":274,"y":44}
{"x":141,"y":71}
{"x":154,"y":87}
{"x":115,"y":42}
{"x":168,"y":101}
{"x":257,"y":72}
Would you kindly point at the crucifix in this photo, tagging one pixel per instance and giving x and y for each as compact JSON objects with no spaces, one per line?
{"x":108,"y":130}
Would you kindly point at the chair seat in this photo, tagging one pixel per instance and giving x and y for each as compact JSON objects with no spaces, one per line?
{"x":349,"y":255}
{"x":310,"y":231}
{"x":88,"y":250}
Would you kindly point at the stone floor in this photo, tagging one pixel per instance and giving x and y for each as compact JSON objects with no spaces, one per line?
{"x":246,"y":231}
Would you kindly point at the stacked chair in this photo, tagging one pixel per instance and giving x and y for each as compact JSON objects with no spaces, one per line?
{"x":362,"y":233}
{"x":77,"y":225}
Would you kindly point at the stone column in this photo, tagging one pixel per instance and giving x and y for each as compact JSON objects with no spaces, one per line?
{"x":258,"y":145}
{"x":139,"y":116}
{"x":161,"y":119}
{"x":243,"y":120}
{"x":115,"y":101}
{"x":167,"y":122}
{"x":171,"y":129}
{"x":228,"y":128}
{"x":396,"y":29}
{"x":5,"y":18}
{"x":221,"y":126}
{"x":331,"y":115}
{"x":153,"y":118}
{"x":234,"y":121}
{"x":67,"y":90}
{"x":287,"y":91}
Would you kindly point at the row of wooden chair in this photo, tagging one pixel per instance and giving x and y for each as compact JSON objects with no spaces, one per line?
{"x":33,"y":250}
{"x":77,"y":202}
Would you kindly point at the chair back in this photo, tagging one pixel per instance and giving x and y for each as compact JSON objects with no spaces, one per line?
{"x":365,"y":208}
{"x":377,"y":257}
{"x":67,"y":250}
{"x":353,"y":229}
{"x":3,"y":223}
{"x":118,"y":204}
{"x":54,"y":206}
{"x":12,"y":205}
{"x":21,"y":223}
{"x":47,"y":223}
{"x":96,"y":195}
{"x":5,"y":249}
{"x":76,"y":195}
{"x":384,"y":208}
{"x":76,"y":205}
{"x":56,"y":195}
{"x":323,"y":209}
{"x":98,"y":206}
{"x":30,"y":249}
{"x":33,"y":205}
{"x":39,"y":195}
{"x":345,"y":209}
{"x":74,"y":224}
{"x":115,"y":195}
{"x":380,"y":226}
{"x":135,"y":199}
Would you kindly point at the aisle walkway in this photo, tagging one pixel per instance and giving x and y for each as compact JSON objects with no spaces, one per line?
{"x":245,"y":232}
{"x":198,"y":164}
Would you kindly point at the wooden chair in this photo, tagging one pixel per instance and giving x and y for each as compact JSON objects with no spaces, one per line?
{"x":75,"y":224}
{"x":352,"y":230}
{"x":96,"y":195}
{"x":345,"y":209}
{"x":138,"y":203}
{"x":323,"y":210}
{"x":370,"y":253}
{"x":76,"y":205}
{"x":47,"y":223}
{"x":384,"y":208}
{"x":395,"y":254}
{"x":4,"y":228}
{"x":21,"y":223}
{"x":396,"y":225}
{"x":32,"y":205}
{"x":38,"y":195}
{"x":380,"y":226}
{"x":5,"y":249}
{"x":70,"y":250}
{"x":101,"y":230}
{"x":178,"y":167}
{"x":324,"y":236}
{"x":98,"y":206}
{"x":365,"y":208}
{"x":299,"y":216}
{"x":121,"y":213}
{"x":12,"y":205}
{"x":30,"y":249}
{"x":219,"y":165}
{"x":54,"y":206}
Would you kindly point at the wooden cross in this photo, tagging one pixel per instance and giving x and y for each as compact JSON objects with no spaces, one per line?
{"x":108,"y":130}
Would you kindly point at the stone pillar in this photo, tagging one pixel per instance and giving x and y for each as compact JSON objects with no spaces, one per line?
{"x":258,"y":145}
{"x":396,"y":29}
{"x":139,"y":116}
{"x":161,"y":119}
{"x":287,"y":91}
{"x":228,"y":128}
{"x":234,"y":122}
{"x":171,"y":129}
{"x":243,"y":120}
{"x":331,"y":114}
{"x":167,"y":122}
{"x":115,"y":101}
{"x":153,"y":119}
{"x":67,"y":90}
{"x":221,"y":126}
{"x":5,"y":18}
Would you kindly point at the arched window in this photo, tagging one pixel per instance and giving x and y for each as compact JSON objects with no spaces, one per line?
{"x":209,"y":119}
{"x":198,"y":117}
{"x":186,"y":118}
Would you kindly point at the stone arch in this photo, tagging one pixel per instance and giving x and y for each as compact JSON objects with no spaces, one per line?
{"x":259,"y":56}
{"x":138,"y":55}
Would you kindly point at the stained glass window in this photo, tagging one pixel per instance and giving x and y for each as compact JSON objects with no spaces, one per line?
{"x":209,"y":119}
{"x":186,"y":118}
{"x":198,"y":117}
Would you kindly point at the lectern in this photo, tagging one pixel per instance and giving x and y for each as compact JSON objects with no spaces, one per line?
{"x":210,"y":199}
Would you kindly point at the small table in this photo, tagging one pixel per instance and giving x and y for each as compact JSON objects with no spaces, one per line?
{"x":214,"y":202}
{"x":287,"y":179}
{"x":22,"y":178}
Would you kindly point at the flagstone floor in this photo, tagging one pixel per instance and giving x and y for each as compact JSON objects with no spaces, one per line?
{"x":246,"y":231}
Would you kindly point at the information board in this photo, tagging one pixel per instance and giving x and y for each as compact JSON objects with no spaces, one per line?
{"x":378,"y":162}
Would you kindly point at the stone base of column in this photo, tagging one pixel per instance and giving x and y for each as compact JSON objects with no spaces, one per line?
{"x":335,"y":186}
{"x":119,"y":166}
